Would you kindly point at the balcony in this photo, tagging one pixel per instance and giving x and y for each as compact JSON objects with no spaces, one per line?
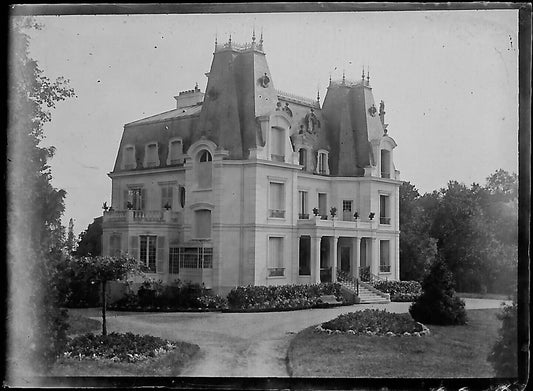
{"x":142,"y":216}
{"x":320,"y":221}
{"x":276,"y":271}
{"x":384,"y":220}
{"x":277,"y":213}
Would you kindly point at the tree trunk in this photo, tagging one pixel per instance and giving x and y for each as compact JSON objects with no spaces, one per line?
{"x":104,"y":329}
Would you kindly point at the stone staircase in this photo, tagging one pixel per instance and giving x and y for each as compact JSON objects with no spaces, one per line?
{"x":367,"y":293}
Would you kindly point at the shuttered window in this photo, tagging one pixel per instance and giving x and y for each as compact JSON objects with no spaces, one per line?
{"x":148,"y":251}
{"x":167,"y":193}
{"x":203,"y":223}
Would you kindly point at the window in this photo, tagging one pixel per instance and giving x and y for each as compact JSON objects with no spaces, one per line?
{"x":278,"y":144}
{"x":202,"y":224}
{"x":347,"y":210}
{"x":167,"y":192}
{"x":129,"y":158}
{"x":204,"y":169}
{"x":384,"y":216}
{"x":302,"y":157}
{"x":277,"y":200}
{"x":115,"y":245}
{"x":148,"y":251}
{"x":151,"y":159}
{"x":302,"y":198}
{"x":323,"y":205}
{"x":322,"y":163}
{"x":135,"y":198}
{"x":195,"y":257}
{"x":304,"y":265}
{"x":385,"y":163}
{"x":275,"y":257}
{"x":175,"y":153}
{"x":173,"y":260}
{"x":384,"y":260}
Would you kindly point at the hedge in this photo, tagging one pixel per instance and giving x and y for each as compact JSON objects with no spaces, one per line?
{"x":400,"y":290}
{"x":281,"y":296}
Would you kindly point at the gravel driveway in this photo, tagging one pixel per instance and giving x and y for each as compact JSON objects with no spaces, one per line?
{"x":243,"y":344}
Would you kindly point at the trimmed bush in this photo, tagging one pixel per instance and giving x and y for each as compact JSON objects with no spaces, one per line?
{"x":117,"y":347}
{"x":375,"y":321}
{"x":400,"y":290}
{"x":280,"y":296}
{"x":438,"y":303}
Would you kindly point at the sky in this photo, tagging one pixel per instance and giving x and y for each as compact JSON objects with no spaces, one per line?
{"x":449,"y":80}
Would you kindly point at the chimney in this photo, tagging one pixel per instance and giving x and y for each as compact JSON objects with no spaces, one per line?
{"x":189,"y":98}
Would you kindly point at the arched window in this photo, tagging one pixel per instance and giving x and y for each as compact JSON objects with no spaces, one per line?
{"x":277,"y":144}
{"x":322,"y":166}
{"x":204,"y":168}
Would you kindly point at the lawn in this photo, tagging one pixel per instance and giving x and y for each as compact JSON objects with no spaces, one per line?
{"x":169,"y":364}
{"x":449,"y":351}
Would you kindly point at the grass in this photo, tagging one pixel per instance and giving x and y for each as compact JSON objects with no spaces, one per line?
{"x":169,"y":364}
{"x":81,"y":325}
{"x":449,"y":351}
{"x":492,"y":296}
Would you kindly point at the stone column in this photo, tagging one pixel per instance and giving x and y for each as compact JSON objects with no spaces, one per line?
{"x":333,"y":252}
{"x":374,"y":268}
{"x":356,"y":257}
{"x":315,"y":259}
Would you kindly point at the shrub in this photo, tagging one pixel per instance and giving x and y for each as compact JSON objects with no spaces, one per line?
{"x":375,"y":321}
{"x":503,"y":355}
{"x":117,"y":347}
{"x":280,"y":296}
{"x":438,"y":303}
{"x":400,"y":290}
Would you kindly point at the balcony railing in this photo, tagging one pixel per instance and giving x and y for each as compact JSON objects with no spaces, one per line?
{"x":141,"y":216}
{"x":303,"y":216}
{"x":279,"y":213}
{"x":384,"y":220}
{"x":276,"y":271}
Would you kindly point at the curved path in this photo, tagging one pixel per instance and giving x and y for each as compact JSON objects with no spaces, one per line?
{"x":239,"y":344}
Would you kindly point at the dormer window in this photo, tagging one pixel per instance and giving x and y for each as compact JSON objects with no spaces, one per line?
{"x":175,"y":152}
{"x":151,"y":158}
{"x":385,"y":163}
{"x":322,"y":166}
{"x":204,"y":169}
{"x":129,"y":162}
{"x":277,"y":144}
{"x":302,"y":158}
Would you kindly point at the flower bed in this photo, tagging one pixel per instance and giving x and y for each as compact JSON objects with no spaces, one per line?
{"x":400,"y":290}
{"x":374,"y":322}
{"x":280,"y":297}
{"x":117,"y":347}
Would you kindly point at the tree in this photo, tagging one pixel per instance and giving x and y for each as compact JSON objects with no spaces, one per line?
{"x":103,"y":269}
{"x":70,"y":237}
{"x":36,"y":324}
{"x":90,"y":240}
{"x":438,"y":303}
{"x":417,"y":248}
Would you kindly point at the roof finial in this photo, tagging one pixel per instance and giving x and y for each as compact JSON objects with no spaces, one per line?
{"x":229,"y":42}
{"x":343,"y":77}
{"x":196,"y":86}
{"x":368,"y":74}
{"x":216,"y":40}
{"x":363,"y":74}
{"x":330,"y":78}
{"x":318,"y":94}
{"x":253,"y":35}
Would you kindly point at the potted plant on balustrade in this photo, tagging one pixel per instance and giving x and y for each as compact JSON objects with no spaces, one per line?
{"x":355,"y":215}
{"x":333,"y":212}
{"x":371,"y":216}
